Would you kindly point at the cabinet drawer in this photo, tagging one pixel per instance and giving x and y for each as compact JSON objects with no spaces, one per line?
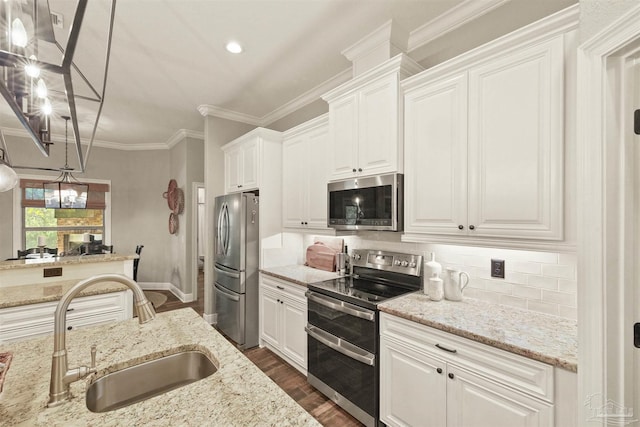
{"x":37,"y":319}
{"x":523,"y":374}
{"x":294,"y":291}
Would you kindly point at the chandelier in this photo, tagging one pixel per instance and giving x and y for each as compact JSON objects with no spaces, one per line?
{"x":40,"y":79}
{"x":66,"y":192}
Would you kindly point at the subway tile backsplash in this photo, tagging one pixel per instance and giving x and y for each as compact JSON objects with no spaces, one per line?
{"x":544,"y":282}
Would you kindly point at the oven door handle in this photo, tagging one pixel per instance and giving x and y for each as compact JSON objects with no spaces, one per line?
{"x":340,"y":345}
{"x":341,"y":306}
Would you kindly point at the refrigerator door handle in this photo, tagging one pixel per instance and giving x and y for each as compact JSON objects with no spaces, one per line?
{"x":226,"y":272}
{"x":226,"y":228}
{"x":227,"y":294}
{"x":219,"y":226}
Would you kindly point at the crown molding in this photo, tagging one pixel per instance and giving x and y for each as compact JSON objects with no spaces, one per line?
{"x":307,"y":97}
{"x":448,"y":21}
{"x":184,"y":134}
{"x":212,"y":110}
{"x":316,"y":122}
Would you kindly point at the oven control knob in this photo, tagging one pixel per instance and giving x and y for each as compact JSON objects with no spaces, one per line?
{"x":396,"y":262}
{"x":412,"y":264}
{"x":356,"y":256}
{"x":405,"y":263}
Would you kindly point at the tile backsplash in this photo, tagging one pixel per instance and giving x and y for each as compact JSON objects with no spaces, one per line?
{"x":539,"y":281}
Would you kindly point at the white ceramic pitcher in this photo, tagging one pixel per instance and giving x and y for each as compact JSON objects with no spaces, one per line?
{"x":454,"y":283}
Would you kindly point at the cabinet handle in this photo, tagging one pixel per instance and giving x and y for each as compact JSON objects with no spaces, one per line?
{"x":446,"y":349}
{"x":472,"y":227}
{"x":69,"y":328}
{"x":359,"y":169}
{"x":280,"y":287}
{"x":451,"y":376}
{"x":239,"y":186}
{"x":461,"y":227}
{"x":353,"y":170}
{"x":439,"y":370}
{"x":306,"y":223}
{"x":281,"y":302}
{"x":301,"y":222}
{"x":70,"y":309}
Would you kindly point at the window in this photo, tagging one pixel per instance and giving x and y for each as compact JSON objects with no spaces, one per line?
{"x":63,"y":229}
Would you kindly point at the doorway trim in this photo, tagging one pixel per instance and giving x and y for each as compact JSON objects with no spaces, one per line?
{"x":194,"y":239}
{"x":603,"y":334}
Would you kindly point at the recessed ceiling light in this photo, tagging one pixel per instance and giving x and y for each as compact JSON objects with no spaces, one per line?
{"x":234,"y":47}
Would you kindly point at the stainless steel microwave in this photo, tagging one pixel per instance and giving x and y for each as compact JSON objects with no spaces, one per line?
{"x":369,"y":203}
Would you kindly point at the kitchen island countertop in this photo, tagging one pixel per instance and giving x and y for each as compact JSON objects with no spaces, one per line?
{"x":238,"y":394}
{"x":542,"y":337}
{"x":61,"y":261}
{"x":299,"y":274}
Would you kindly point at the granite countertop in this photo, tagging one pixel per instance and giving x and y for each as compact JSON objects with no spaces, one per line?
{"x":13,"y":296}
{"x":542,"y":337}
{"x":299,"y":274}
{"x":238,"y":394}
{"x":56,"y":261}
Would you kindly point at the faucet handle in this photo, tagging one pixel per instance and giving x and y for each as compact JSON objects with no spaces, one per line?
{"x":94,"y":350}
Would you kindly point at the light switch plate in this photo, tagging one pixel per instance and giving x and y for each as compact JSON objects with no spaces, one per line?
{"x":497,"y":268}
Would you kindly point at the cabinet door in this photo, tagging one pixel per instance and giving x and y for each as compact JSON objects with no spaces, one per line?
{"x":295,"y":176}
{"x":317,"y":171}
{"x":412,"y":387}
{"x":343,"y":123}
{"x":269,"y":317}
{"x":378,"y":127}
{"x":249,"y":171}
{"x":232,"y":170}
{"x":436,"y":157}
{"x":294,"y":337}
{"x":474,"y":401}
{"x":516,"y":144}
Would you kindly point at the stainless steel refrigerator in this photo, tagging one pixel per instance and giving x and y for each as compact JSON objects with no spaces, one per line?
{"x":236,"y":267}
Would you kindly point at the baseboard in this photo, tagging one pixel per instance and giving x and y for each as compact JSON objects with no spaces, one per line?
{"x":155,"y":286}
{"x":163,"y":286}
{"x":211,"y":319}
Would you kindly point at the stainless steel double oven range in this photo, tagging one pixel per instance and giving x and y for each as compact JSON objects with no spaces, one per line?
{"x":343,"y":328}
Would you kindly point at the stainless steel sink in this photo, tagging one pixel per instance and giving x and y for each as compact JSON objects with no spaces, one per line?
{"x":148,"y":379}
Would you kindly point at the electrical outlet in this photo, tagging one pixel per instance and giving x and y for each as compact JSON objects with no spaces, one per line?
{"x":497,"y":268}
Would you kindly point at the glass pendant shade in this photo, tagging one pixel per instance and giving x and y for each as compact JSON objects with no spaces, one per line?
{"x":18,"y":33}
{"x":8,"y":177}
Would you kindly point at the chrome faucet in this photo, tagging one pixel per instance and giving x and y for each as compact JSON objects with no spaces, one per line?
{"x":61,"y":375}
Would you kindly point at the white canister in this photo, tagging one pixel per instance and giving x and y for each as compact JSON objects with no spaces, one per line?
{"x":432,"y":267}
{"x":436,"y":289}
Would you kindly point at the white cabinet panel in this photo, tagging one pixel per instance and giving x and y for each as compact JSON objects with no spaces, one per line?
{"x":283,"y":316}
{"x":28,"y":321}
{"x":471,"y":385}
{"x":474,"y":401}
{"x":306,"y":166}
{"x":343,"y":119}
{"x":436,"y":157}
{"x":484,"y":148}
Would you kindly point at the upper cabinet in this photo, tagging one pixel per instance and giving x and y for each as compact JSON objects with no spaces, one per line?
{"x":305,"y":171}
{"x":365,"y":121}
{"x":243,"y":159}
{"x":484,"y":145}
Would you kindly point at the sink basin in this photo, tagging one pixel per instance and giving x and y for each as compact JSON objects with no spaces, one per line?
{"x":140,"y":382}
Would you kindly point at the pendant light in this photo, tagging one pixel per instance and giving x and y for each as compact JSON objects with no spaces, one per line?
{"x":8,"y":177}
{"x":66,"y":192}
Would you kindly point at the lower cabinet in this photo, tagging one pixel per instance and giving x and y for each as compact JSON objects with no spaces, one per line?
{"x":431,"y":378}
{"x":283,"y":316}
{"x":33,"y":320}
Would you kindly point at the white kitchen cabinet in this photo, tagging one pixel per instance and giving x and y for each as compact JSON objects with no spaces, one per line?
{"x":305,"y":173}
{"x":365,"y":121}
{"x":244,"y":160}
{"x":32,"y":320}
{"x":432,"y":378}
{"x":283,"y":316}
{"x":484,"y":147}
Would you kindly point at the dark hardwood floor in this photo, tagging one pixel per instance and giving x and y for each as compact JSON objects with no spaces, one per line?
{"x":288,"y":378}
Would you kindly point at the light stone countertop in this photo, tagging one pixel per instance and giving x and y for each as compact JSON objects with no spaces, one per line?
{"x":542,"y":337}
{"x":299,"y":274}
{"x":13,"y":296}
{"x":238,"y":394}
{"x":58,"y":261}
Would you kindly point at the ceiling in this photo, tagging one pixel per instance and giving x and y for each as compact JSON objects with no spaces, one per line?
{"x":168,"y":58}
